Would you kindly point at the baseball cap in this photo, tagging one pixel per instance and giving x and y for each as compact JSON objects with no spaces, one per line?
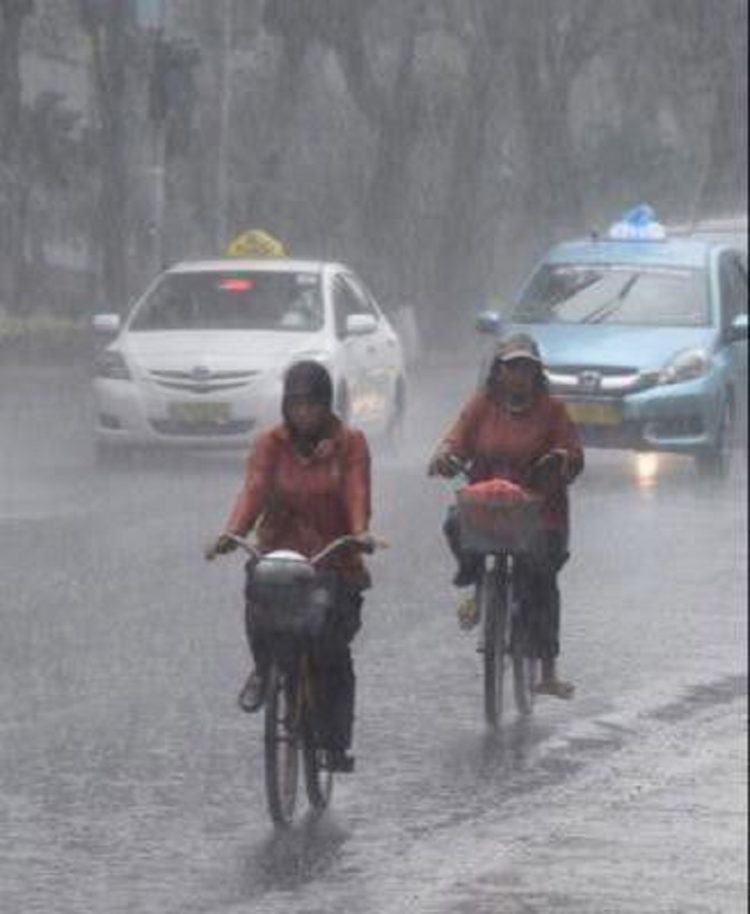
{"x":517,"y":346}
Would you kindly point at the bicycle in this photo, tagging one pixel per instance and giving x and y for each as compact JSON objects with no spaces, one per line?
{"x":501,"y":530}
{"x":288,"y":588}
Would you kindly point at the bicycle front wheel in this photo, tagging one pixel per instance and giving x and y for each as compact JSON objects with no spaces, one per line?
{"x":492,"y":603}
{"x":318,"y":780}
{"x":281,"y":745}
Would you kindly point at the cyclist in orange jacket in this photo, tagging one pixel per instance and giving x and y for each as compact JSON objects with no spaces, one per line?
{"x":307,"y":482}
{"x":512,"y":428}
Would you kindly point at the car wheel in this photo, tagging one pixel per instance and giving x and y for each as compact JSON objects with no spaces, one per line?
{"x":716,"y":462}
{"x":342,"y":407}
{"x":396,"y":422}
{"x":107,"y":454}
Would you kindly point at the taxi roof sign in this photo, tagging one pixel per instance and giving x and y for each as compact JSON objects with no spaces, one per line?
{"x":255,"y":243}
{"x":637,"y":224}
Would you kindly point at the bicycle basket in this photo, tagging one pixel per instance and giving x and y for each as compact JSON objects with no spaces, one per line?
{"x":497,"y":522}
{"x":286,"y":595}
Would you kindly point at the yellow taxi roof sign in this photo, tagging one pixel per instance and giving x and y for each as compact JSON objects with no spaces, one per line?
{"x":255,"y":243}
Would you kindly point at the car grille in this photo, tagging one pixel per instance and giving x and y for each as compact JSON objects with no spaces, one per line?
{"x":203,"y":382}
{"x":604,"y":380}
{"x":202,"y":429}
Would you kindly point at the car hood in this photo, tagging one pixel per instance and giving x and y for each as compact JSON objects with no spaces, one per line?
{"x":164,"y":350}
{"x":609,"y":346}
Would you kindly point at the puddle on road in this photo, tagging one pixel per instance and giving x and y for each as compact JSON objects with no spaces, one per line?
{"x":700,"y":697}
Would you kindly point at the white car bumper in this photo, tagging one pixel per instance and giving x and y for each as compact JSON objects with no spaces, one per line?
{"x":136,"y":415}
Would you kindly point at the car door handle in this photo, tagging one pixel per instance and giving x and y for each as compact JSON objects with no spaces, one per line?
{"x":371,"y":350}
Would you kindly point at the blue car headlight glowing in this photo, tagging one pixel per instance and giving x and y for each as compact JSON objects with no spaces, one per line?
{"x":686,"y":365}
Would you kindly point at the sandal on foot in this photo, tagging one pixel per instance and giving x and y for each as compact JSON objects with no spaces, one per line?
{"x":468,"y":614}
{"x":253,"y":693}
{"x":558,"y":688}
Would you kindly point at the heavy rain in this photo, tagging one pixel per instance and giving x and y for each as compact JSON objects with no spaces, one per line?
{"x":431,"y":158}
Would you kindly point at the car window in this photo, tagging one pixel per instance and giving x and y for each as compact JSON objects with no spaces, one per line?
{"x":232,"y":301}
{"x":732,"y":288}
{"x":348,"y":299}
{"x":615,"y":294}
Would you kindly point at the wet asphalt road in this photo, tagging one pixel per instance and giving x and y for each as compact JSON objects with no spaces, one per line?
{"x":129,"y":781}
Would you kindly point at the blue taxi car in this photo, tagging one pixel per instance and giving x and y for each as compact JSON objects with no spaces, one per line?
{"x":645,"y":338}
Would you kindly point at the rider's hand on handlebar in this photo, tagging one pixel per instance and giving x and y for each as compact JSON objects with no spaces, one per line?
{"x":550,"y":470}
{"x":445,"y":464}
{"x":223,"y":544}
{"x":366,"y":542}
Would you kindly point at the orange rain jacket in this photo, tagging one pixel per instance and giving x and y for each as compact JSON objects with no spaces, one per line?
{"x":303,"y":503}
{"x":505,"y":444}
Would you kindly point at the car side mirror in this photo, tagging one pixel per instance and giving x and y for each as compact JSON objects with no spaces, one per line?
{"x":738,"y":329}
{"x":106,"y":323}
{"x":361,"y":324}
{"x":490,"y":322}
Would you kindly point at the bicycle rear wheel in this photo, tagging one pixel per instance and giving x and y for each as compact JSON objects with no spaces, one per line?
{"x":525,"y":668}
{"x":524,"y":680}
{"x":281,"y":745}
{"x":492,"y":603}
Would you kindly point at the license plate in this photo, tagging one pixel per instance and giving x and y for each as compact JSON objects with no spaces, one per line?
{"x":200,"y":413}
{"x":584,"y":413}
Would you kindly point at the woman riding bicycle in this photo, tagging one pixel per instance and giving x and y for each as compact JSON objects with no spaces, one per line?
{"x":513,"y":429}
{"x":307,"y":482}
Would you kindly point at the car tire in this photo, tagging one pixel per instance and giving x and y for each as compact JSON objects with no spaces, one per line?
{"x":396,"y":423}
{"x":342,"y":407}
{"x":715,"y":462}
{"x":107,"y":454}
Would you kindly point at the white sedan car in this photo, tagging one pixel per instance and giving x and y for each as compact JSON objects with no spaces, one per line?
{"x":200,"y":359}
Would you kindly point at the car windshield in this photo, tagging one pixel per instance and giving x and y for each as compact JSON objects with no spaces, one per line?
{"x":615,"y":294}
{"x":232,"y":300}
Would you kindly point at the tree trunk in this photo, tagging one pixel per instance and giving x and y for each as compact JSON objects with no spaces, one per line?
{"x":551,"y":200}
{"x":260,"y":209}
{"x":458,"y":283}
{"x":12,"y":178}
{"x":397,"y":131}
{"x":109,"y":49}
{"x":724,"y":187}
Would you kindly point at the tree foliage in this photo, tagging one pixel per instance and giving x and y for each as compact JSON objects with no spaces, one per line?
{"x":436,"y":144}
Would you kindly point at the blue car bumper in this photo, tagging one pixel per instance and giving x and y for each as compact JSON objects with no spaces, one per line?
{"x":681,"y":418}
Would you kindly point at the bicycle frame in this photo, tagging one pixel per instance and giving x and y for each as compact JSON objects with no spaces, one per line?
{"x":289,"y":725}
{"x":502,"y":626}
{"x":500,"y":634}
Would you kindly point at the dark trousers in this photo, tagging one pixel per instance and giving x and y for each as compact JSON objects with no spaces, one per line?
{"x":330,"y":652}
{"x":535,"y":582}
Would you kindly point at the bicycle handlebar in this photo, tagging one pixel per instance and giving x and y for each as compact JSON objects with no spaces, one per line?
{"x":364,"y":544}
{"x":549,"y":469}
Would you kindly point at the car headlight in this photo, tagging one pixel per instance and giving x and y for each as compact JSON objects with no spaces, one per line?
{"x":111,"y":364}
{"x":685,"y":366}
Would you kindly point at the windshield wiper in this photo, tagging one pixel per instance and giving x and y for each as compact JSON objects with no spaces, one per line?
{"x":608,"y":308}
